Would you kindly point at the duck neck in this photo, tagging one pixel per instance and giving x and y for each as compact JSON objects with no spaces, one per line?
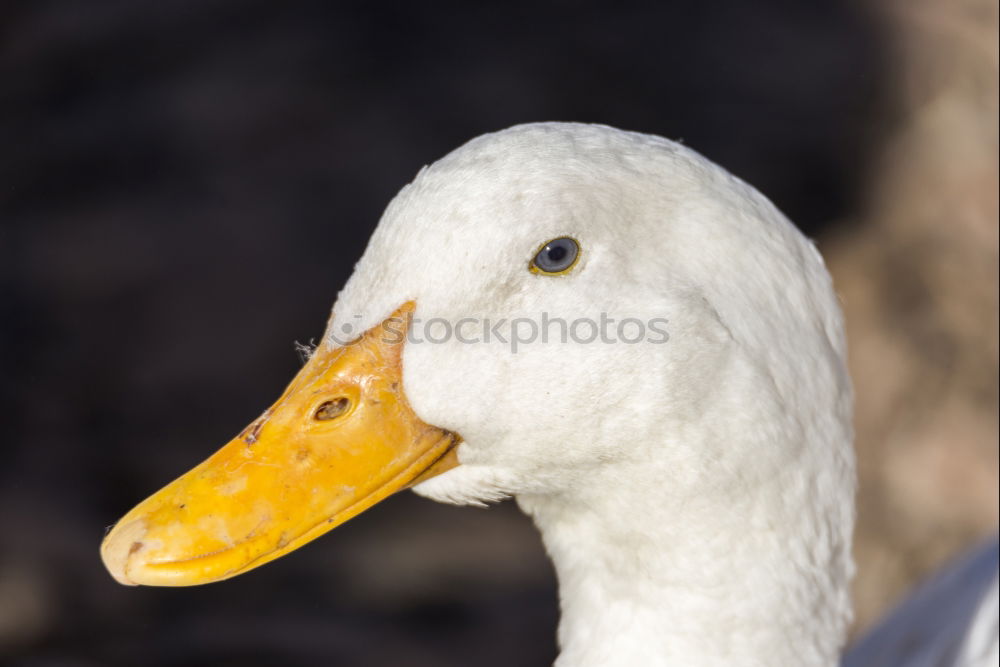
{"x":704,"y":582}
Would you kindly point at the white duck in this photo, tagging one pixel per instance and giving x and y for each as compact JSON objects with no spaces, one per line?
{"x":694,"y":489}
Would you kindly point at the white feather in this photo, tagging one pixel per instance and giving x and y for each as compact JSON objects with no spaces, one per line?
{"x":696,"y":496}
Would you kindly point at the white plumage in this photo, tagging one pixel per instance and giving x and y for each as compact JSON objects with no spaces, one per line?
{"x":670,"y":405}
{"x":696,"y":496}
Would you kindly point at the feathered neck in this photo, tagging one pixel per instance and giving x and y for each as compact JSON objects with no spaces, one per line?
{"x":727,"y":578}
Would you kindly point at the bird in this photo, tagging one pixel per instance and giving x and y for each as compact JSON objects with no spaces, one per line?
{"x":635,"y":345}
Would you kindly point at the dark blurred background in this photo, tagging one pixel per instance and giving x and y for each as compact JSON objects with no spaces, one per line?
{"x":185,"y":186}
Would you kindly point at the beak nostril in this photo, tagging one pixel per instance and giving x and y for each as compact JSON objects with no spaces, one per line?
{"x":332,"y":409}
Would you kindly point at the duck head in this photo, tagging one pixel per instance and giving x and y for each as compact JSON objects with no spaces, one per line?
{"x":632,"y":342}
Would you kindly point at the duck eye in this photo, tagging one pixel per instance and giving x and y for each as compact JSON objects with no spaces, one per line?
{"x":332,"y":409}
{"x":556,"y":256}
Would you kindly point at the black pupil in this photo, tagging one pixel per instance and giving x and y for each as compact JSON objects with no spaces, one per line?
{"x":556,"y":253}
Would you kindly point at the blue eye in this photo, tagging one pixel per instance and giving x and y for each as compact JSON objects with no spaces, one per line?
{"x":557,"y":256}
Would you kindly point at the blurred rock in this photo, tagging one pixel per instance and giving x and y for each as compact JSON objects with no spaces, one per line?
{"x":25,"y":604}
{"x":919,"y":284}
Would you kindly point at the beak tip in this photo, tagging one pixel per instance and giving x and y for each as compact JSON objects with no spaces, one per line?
{"x":121,"y":547}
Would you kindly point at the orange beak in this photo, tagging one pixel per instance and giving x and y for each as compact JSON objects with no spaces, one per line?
{"x":340,"y":439}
